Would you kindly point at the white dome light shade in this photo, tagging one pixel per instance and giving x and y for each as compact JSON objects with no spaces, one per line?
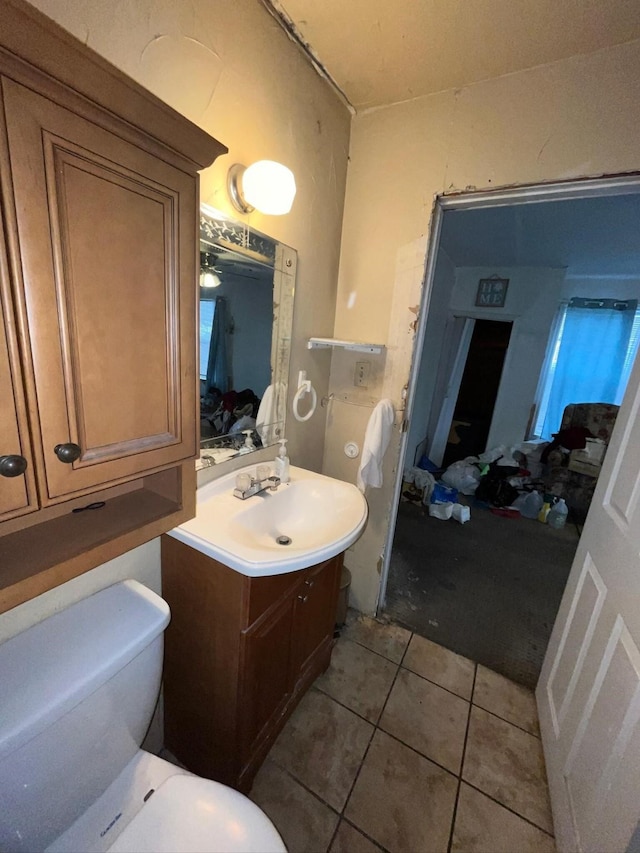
{"x":268,"y":186}
{"x":209,"y":278}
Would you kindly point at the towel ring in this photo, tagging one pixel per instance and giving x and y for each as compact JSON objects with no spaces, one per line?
{"x":304,"y":387}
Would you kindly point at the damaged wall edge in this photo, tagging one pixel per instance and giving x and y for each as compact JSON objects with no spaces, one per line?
{"x":284,"y":20}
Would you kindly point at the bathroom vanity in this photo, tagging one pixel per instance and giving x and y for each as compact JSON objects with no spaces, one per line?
{"x":240,"y":652}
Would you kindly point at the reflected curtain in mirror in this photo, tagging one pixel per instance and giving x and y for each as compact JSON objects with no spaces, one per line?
{"x":218,"y":363}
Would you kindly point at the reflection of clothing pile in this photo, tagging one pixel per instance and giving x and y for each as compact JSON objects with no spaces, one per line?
{"x":230,"y":412}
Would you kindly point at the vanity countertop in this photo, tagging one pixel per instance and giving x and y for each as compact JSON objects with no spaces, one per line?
{"x":318,"y":515}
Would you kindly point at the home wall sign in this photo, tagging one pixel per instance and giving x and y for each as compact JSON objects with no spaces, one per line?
{"x":492,"y":292}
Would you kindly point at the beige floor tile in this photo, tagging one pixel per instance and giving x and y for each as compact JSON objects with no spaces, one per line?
{"x":386,"y":639}
{"x":506,"y":763}
{"x":349,"y":840}
{"x":482,"y":826}
{"x":428,"y":718}
{"x":508,"y":700}
{"x":358,"y":678}
{"x":438,"y":664}
{"x":322,"y":745}
{"x":401,"y":799}
{"x":305,"y":824}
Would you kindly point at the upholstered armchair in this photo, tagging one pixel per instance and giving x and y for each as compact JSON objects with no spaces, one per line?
{"x":579,"y":421}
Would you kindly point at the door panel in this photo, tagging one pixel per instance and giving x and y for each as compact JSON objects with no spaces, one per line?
{"x":315,"y":611}
{"x":106,"y":331}
{"x":589,"y":689}
{"x":266,"y":676}
{"x":576,"y":639}
{"x":112,"y":330}
{"x":17,"y":494}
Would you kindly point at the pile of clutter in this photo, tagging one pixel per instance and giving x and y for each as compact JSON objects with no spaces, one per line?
{"x":441,"y":499}
{"x":505,"y":480}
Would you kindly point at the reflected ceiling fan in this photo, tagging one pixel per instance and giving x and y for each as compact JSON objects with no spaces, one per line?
{"x":209,"y":273}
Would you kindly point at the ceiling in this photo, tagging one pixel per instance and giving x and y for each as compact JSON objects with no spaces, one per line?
{"x":380,"y":52}
{"x":589,"y":236}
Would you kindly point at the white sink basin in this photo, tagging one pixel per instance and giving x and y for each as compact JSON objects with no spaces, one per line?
{"x":321,"y":516}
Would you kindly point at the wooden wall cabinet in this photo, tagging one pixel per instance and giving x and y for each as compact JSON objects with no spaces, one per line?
{"x":239,"y":654}
{"x":98,"y":285}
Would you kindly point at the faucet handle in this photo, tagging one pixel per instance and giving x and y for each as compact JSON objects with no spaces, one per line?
{"x":243,"y":482}
{"x":263,"y":472}
{"x":274,"y":482}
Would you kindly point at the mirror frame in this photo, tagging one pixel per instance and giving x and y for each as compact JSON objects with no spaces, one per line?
{"x":219,"y":230}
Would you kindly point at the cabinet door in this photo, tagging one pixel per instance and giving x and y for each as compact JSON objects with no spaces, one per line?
{"x":107,"y":236}
{"x":266,"y":668}
{"x":17,"y":493}
{"x":315,"y":611}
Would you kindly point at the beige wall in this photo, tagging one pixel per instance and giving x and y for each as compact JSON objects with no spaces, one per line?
{"x":229,"y":67}
{"x":579,"y":117}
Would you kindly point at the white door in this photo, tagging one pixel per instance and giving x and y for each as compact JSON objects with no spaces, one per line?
{"x":460,"y":336}
{"x":589,"y":689}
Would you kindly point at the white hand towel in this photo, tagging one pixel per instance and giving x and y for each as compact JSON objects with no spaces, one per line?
{"x":270,"y":413}
{"x":376,"y":441}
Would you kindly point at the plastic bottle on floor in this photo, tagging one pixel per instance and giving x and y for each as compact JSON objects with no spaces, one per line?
{"x":544,"y":512}
{"x":558,"y":515}
{"x":531,"y":505}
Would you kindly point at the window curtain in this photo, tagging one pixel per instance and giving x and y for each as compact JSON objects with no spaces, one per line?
{"x":207,"y":310}
{"x":588,"y":359}
{"x":218,"y":366}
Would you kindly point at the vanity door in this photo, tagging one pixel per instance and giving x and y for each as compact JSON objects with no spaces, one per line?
{"x":266,"y":664}
{"x":315,"y":611}
{"x":109,"y":289}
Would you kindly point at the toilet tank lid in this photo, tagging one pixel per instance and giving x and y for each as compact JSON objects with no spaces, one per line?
{"x":52,"y":666}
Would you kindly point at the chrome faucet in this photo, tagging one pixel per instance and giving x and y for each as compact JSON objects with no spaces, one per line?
{"x":256,"y":487}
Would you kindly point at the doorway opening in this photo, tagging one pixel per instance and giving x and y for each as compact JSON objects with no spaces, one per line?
{"x":473,"y":411}
{"x":490,"y":589}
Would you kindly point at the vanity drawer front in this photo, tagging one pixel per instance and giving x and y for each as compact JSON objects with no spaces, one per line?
{"x":265,"y":593}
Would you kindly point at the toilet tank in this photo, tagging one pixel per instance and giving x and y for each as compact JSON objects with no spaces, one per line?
{"x":77,"y":692}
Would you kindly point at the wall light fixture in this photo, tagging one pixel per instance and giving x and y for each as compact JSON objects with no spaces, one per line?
{"x":266,"y":186}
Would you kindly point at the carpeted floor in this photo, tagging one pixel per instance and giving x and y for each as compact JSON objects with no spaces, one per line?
{"x":489,"y":589}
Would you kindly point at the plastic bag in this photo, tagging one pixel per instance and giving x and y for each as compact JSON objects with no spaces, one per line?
{"x":443,"y":494}
{"x":463,"y":476}
{"x":425,"y":481}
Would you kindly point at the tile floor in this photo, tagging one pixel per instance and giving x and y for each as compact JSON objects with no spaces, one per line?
{"x":405,"y":746}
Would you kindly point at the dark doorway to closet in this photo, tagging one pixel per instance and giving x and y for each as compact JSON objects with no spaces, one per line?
{"x":478,"y":390}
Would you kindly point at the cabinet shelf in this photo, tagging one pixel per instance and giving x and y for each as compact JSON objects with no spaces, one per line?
{"x":36,"y":559}
{"x":354,"y":346}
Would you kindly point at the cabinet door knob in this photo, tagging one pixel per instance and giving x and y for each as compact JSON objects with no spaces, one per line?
{"x":12,"y":466}
{"x":67,"y":452}
{"x":309,"y":583}
{"x":303,"y":598}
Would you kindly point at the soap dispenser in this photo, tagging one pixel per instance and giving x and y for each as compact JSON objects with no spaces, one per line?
{"x":282,"y":462}
{"x":248,"y":445}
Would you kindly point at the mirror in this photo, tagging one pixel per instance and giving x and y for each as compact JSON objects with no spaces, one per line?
{"x":246,"y":292}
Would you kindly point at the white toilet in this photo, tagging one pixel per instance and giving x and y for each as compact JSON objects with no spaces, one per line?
{"x":77,"y":692}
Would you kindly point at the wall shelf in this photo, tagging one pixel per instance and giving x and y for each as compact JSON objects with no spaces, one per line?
{"x":355,"y":346}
